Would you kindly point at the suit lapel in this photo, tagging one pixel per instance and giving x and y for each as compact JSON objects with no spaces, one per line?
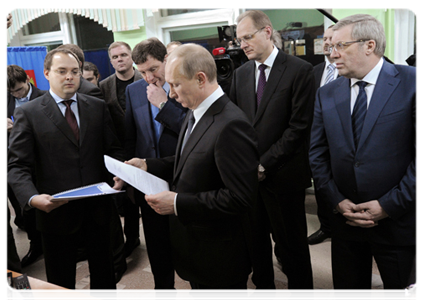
{"x":343,"y":106}
{"x":248,"y":96}
{"x":52,"y":111}
{"x":275,"y":77}
{"x":199,"y":130}
{"x":84,"y":117}
{"x":144,"y":118}
{"x":385,"y":86}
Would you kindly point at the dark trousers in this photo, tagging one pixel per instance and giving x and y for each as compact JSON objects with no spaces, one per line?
{"x":352,"y":264}
{"x":285,"y":212}
{"x":131,"y":219}
{"x":157,"y":239}
{"x":233,"y":292}
{"x":324,"y":213}
{"x":60,"y":253}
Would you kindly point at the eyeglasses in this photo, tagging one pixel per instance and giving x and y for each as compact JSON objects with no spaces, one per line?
{"x":248,"y":37}
{"x":74,"y":73}
{"x":341,"y":46}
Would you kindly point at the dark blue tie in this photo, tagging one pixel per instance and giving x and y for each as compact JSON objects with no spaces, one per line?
{"x":359,"y":112}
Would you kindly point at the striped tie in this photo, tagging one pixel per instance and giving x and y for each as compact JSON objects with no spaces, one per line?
{"x":331,"y":73}
{"x":359,"y":112}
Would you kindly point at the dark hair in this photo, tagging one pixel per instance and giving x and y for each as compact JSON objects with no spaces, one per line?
{"x":151,"y":47}
{"x":49,"y":57}
{"x":76,"y":50}
{"x":15,"y":74}
{"x":89,"y":66}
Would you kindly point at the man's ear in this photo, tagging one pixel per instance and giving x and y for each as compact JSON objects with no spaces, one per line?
{"x":370,"y":47}
{"x":201,"y":78}
{"x":46,"y":74}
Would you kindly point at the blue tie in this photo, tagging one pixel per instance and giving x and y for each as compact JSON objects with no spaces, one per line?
{"x":154,"y":111}
{"x":359,"y":112}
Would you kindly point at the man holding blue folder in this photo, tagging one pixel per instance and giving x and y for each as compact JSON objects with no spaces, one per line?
{"x":63,"y":136}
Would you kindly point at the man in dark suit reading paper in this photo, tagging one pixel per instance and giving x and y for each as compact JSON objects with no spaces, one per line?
{"x":213,"y":175}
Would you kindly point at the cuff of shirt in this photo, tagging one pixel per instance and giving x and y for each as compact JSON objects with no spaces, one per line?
{"x":174,"y":205}
{"x":30,"y":199}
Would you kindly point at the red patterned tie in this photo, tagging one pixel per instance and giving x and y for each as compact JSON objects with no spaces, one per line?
{"x":261,"y":83}
{"x":70,"y":117}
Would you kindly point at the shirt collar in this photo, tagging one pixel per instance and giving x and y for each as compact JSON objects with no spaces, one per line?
{"x":271,"y":59}
{"x":328,"y":62}
{"x":166,"y":87}
{"x":58,"y":99}
{"x":205,"y":105}
{"x":372,"y":76}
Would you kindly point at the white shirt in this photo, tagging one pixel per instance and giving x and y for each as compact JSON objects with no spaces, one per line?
{"x":62,"y":106}
{"x":199,"y":113}
{"x":371,"y":79}
{"x":269,"y":63}
{"x":325,"y":72}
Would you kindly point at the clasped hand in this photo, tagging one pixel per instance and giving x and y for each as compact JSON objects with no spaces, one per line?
{"x":364,"y":215}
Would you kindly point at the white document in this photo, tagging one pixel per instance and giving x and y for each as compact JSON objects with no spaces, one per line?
{"x":139,"y":179}
{"x":92,"y":190}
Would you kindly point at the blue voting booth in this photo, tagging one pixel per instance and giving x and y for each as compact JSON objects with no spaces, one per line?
{"x":31,"y":59}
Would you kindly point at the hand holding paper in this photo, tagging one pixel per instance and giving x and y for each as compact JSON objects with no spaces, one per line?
{"x":45,"y":203}
{"x":138,"y":178}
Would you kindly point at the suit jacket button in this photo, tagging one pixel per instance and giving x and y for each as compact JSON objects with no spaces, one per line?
{"x":173,"y":187}
{"x":357,"y":164}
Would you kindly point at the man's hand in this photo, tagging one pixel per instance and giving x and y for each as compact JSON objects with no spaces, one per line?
{"x":119,"y":183}
{"x":156,"y":94}
{"x":43,"y":202}
{"x":137,"y":162}
{"x":345,"y":206}
{"x":366,"y":214}
{"x":9,"y":124}
{"x":162,"y":203}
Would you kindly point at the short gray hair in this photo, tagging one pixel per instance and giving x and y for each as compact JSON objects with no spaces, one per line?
{"x":194,"y":58}
{"x":365,"y":27}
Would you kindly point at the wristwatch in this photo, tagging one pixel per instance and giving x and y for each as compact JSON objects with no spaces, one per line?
{"x":409,"y":291}
{"x":162,"y":104}
{"x":261,"y":168}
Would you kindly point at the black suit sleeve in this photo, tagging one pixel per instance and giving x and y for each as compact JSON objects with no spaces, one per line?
{"x":21,"y":158}
{"x":172,"y":115}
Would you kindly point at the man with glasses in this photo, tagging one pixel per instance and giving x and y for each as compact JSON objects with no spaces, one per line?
{"x":362,"y":156}
{"x":63,"y":136}
{"x":276,"y":91}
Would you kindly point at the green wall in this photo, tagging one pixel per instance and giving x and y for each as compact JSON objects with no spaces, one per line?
{"x":132,"y":37}
{"x":280,"y":17}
